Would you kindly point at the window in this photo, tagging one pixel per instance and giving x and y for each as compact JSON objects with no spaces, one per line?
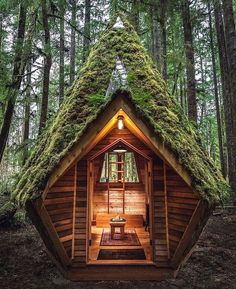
{"x":119,"y":167}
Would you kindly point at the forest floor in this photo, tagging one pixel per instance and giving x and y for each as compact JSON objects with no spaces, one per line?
{"x":24,"y":263}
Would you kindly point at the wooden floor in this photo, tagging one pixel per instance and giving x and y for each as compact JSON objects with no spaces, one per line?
{"x":143,"y":238}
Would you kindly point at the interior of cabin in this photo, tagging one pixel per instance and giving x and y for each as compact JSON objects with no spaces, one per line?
{"x":119,"y":200}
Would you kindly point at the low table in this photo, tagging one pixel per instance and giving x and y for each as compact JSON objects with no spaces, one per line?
{"x":120,"y":225}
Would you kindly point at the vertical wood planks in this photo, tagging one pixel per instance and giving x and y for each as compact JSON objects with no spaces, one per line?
{"x":81,"y":212}
{"x":159,"y":214}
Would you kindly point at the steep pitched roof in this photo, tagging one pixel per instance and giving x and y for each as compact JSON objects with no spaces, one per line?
{"x":118,"y":52}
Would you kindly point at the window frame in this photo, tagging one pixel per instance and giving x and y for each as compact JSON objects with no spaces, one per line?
{"x":114,"y":182}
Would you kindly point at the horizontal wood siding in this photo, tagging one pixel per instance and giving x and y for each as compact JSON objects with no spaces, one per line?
{"x":81,"y":213}
{"x":134,"y":199}
{"x":59,"y":205}
{"x":181,"y":205}
{"x":159,"y":214}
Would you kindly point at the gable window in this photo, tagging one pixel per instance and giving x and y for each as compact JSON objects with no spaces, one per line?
{"x":119,"y":167}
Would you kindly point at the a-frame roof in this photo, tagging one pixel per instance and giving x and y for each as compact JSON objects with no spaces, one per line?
{"x":119,"y":61}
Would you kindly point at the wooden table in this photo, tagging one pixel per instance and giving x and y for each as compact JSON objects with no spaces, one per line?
{"x":121,"y":226}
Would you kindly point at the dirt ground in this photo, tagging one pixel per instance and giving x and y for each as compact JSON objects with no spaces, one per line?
{"x":24,"y":263}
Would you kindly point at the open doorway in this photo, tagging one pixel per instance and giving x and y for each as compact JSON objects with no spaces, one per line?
{"x":119,"y":206}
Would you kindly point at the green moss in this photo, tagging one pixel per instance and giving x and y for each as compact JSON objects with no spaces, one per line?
{"x":149,"y":94}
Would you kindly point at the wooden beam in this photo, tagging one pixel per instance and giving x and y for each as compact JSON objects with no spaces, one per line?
{"x":166,"y":210}
{"x":184,"y":241}
{"x":151,"y":206}
{"x":110,"y":272}
{"x":125,"y":143}
{"x":89,"y":211}
{"x":74,"y":211}
{"x":42,"y":212}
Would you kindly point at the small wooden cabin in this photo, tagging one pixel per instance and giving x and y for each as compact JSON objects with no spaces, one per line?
{"x":119,"y":146}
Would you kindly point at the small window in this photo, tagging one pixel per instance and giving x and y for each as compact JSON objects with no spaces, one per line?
{"x":131,"y":173}
{"x":119,"y":167}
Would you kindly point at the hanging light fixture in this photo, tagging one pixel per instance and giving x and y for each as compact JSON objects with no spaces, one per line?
{"x":120,"y":149}
{"x":120,"y":123}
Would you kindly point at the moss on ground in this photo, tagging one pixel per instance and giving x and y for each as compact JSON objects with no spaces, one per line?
{"x":86,"y":98}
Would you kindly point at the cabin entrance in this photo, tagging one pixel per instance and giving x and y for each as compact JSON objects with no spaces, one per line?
{"x":119,"y":207}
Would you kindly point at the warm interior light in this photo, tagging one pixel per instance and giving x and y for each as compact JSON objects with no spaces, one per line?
{"x":119,"y":151}
{"x":120,"y":122}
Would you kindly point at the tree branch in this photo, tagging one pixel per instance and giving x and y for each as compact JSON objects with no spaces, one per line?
{"x":71,"y":25}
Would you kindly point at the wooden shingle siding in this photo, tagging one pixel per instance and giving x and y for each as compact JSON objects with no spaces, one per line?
{"x":181,"y":204}
{"x":59,"y":205}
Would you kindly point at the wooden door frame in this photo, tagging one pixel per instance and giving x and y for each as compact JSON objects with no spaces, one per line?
{"x":90,"y":192}
{"x":151,"y":205}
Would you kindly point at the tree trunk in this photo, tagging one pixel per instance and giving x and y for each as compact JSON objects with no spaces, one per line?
{"x":218,"y":116}
{"x":190,"y":69}
{"x":164,"y":38}
{"x":113,"y":7}
{"x":223,"y":69}
{"x":135,"y":14}
{"x":18,"y":69}
{"x":230,"y":37}
{"x":62,"y":53}
{"x":87,"y":28}
{"x":72,"y":42}
{"x":47,"y":66}
{"x":156,"y":37}
{"x":1,"y":31}
{"x":27,"y":114}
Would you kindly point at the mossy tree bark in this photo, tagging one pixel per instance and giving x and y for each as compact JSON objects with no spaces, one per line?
{"x":190,"y":62}
{"x":230,"y":40}
{"x":17,"y":75}
{"x":47,"y":66}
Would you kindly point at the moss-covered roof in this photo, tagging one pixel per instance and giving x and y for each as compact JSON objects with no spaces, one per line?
{"x":150,"y":96}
